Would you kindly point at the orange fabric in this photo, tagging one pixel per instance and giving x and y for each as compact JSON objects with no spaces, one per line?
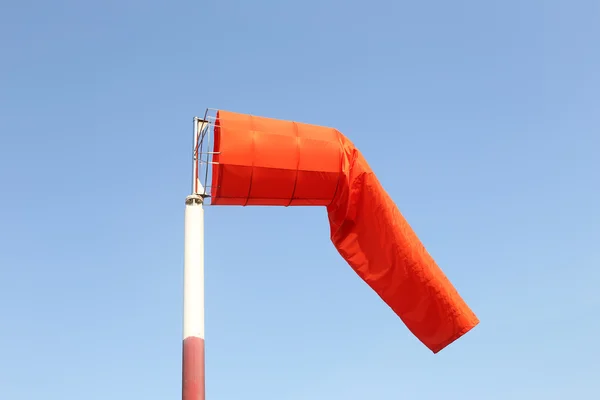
{"x":264,"y":161}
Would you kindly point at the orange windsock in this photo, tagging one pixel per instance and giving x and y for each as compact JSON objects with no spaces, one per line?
{"x":263,"y":161}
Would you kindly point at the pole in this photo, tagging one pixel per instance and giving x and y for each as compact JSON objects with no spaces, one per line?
{"x":193,"y":292}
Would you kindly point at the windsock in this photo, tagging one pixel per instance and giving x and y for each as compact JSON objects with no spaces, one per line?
{"x":268,"y":162}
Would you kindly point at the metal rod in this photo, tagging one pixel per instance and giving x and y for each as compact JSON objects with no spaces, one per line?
{"x":194,"y":157}
{"x":207,"y":157}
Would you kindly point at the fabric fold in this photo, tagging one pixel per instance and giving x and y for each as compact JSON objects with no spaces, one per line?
{"x":375,"y":239}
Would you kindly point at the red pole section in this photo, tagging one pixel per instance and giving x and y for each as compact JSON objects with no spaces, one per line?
{"x":263,"y":161}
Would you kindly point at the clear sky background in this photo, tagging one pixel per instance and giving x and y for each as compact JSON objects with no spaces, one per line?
{"x":481,"y":119}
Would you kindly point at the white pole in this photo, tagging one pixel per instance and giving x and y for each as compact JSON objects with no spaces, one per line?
{"x":193,"y":292}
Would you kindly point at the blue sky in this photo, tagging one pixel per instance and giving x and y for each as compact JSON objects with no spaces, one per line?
{"x":481,"y":121}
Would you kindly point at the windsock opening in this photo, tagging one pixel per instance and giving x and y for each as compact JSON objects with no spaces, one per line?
{"x":268,"y":162}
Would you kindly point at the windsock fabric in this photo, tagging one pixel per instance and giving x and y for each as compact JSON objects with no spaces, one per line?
{"x":267,"y":162}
